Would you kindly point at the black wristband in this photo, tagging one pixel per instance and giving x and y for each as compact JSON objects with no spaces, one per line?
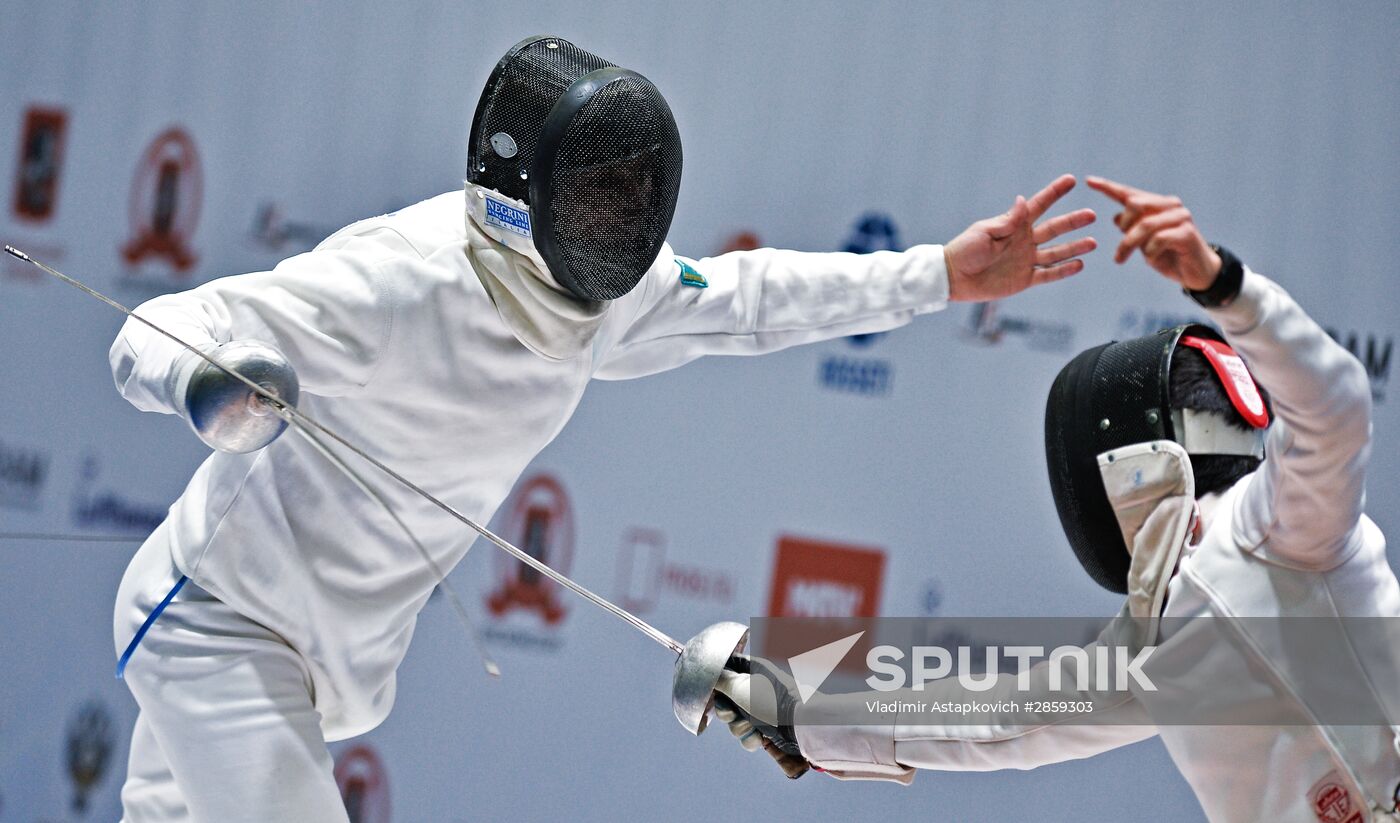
{"x":1227,"y":283}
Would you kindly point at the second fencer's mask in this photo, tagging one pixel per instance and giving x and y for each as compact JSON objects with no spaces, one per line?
{"x":576,"y":163}
{"x":1119,"y":394}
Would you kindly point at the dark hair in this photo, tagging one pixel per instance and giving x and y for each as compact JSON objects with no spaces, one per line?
{"x":1195,"y":385}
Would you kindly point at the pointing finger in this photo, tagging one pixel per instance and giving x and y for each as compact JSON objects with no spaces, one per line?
{"x":1117,"y":191}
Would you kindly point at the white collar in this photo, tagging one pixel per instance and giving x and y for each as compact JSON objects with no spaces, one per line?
{"x":545,"y":317}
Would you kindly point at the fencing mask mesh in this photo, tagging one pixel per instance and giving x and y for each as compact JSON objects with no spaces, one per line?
{"x":594,"y":152}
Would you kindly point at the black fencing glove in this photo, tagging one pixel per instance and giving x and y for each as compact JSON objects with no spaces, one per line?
{"x":757,"y":702}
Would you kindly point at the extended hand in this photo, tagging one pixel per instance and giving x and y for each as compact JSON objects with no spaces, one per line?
{"x":1163,"y":229}
{"x":1002,"y":255}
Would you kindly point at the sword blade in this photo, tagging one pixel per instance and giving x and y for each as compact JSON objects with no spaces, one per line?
{"x":463,"y":617}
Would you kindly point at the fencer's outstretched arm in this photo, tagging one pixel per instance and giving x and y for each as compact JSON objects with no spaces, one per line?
{"x":838,"y":733}
{"x":769,"y":299}
{"x":765,"y":300}
{"x":896,"y":750}
{"x":328,"y":311}
{"x":1306,"y":500}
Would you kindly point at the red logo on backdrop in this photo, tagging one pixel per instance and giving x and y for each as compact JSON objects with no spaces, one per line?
{"x":40,"y":162}
{"x":364,"y":788}
{"x":817,"y":579}
{"x":813,"y":578}
{"x":165,"y":202}
{"x":1332,"y":802}
{"x":542,"y":524}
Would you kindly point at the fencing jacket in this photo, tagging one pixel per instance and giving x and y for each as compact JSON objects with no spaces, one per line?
{"x":1289,"y":540}
{"x":399,"y":348}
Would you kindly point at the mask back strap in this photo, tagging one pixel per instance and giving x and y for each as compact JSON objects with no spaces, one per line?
{"x":1209,"y":432}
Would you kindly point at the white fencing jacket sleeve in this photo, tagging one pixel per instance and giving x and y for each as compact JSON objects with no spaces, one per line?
{"x":769,"y":299}
{"x":1302,"y":507}
{"x":893,"y":750}
{"x":328,"y":311}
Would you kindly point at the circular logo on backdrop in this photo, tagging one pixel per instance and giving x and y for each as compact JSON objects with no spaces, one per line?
{"x":88,"y":750}
{"x":873,"y":231}
{"x":542,"y":524}
{"x":165,"y":201}
{"x":363,"y":784}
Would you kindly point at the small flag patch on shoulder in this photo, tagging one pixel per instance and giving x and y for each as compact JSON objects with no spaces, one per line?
{"x":691,"y":277}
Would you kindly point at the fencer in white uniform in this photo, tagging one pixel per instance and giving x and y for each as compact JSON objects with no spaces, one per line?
{"x":1221,"y":577}
{"x":454,"y":346}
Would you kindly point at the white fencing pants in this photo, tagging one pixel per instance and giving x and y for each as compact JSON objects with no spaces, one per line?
{"x":227,"y":730}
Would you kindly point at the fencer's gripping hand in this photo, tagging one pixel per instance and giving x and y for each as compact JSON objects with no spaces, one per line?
{"x":794,"y":766}
{"x":1163,"y":229}
{"x":1006,"y":254}
{"x":227,"y":414}
{"x":756,"y":702}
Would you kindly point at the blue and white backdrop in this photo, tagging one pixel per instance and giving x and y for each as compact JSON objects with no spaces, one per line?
{"x":148,"y":147}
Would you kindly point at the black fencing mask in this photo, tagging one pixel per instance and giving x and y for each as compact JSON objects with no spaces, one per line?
{"x":1116,"y":395}
{"x":577,"y":162}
